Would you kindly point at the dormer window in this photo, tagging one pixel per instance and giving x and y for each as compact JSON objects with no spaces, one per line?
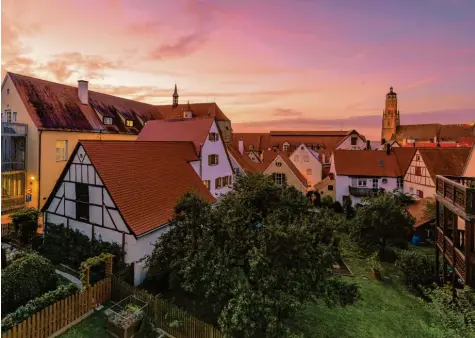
{"x":286,"y":146}
{"x":213,"y":137}
{"x":278,"y":164}
{"x":107,"y":120}
{"x":129,"y":123}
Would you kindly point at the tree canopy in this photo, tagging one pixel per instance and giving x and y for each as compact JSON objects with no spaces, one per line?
{"x":380,"y":220}
{"x":253,"y":259}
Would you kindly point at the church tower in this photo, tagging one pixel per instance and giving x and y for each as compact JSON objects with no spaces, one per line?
{"x":390,"y":116}
{"x":175,"y":97}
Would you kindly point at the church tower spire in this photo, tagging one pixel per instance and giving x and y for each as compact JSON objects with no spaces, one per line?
{"x":390,"y":116}
{"x":175,"y":97}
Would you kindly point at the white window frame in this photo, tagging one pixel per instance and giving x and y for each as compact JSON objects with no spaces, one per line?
{"x":61,"y":150}
{"x":14,"y":114}
{"x":375,"y":183}
{"x":279,"y":179}
{"x":362,"y":183}
{"x":107,"y":120}
{"x":213,"y":137}
{"x":286,"y":146}
{"x":400,"y":183}
{"x":215,"y":160}
{"x":8,"y":114}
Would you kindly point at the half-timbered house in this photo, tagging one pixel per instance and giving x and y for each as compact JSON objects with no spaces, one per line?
{"x":124,"y":192}
{"x":419,"y":180}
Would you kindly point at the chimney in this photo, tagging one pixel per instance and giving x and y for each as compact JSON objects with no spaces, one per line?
{"x":414,"y":144}
{"x":383,"y":141}
{"x":388,"y":149}
{"x":241,"y":146}
{"x":368,"y":145}
{"x":83,"y":93}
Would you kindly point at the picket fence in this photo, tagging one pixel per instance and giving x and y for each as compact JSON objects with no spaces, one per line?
{"x":63,"y":314}
{"x":171,"y":319}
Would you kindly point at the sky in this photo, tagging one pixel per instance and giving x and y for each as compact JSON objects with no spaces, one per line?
{"x":268,"y":64}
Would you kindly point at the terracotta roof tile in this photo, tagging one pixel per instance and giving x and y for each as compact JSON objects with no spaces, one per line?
{"x":243,"y":160}
{"x":426,"y":132}
{"x":417,"y":210}
{"x":366,"y":163}
{"x":209,"y":109}
{"x":294,"y":169}
{"x":309,"y":133}
{"x":444,"y":161}
{"x":195,"y":130}
{"x":404,"y":158}
{"x":146,"y":179}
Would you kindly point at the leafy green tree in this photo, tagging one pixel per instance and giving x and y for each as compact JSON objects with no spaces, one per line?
{"x":252,"y":260}
{"x":380,"y":220}
{"x":327,"y":201}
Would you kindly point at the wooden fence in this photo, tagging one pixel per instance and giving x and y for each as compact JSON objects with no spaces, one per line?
{"x":171,"y":319}
{"x":7,"y":229}
{"x":60,"y":316}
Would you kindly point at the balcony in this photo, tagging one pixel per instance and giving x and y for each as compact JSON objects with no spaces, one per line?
{"x":454,"y":256}
{"x":364,"y":192}
{"x":13,"y":166}
{"x":10,"y":203}
{"x":457,"y":191}
{"x":14,"y":129}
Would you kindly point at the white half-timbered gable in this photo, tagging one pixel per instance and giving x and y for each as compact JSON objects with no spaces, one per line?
{"x":111,"y":190}
{"x":353,"y":141}
{"x":417,"y":181}
{"x":308,"y":163}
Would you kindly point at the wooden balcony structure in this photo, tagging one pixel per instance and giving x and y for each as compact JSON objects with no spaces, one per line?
{"x":364,"y":192}
{"x":455,"y":231}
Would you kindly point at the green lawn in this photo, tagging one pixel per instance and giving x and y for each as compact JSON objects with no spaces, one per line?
{"x":93,"y":326}
{"x":386,"y":309}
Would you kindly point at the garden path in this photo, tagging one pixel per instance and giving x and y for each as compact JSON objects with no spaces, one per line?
{"x":70,"y":278}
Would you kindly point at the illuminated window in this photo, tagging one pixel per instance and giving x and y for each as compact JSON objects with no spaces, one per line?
{"x":129,"y":123}
{"x":207,"y":183}
{"x":108,"y":120}
{"x":61,"y":150}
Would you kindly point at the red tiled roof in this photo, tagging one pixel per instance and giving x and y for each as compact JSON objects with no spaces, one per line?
{"x":243,"y":160}
{"x":146,"y":179}
{"x":366,"y":163}
{"x":309,"y":133}
{"x":404,"y":158}
{"x":427,"y":132}
{"x":195,"y":130}
{"x":417,"y":210}
{"x":444,"y":161}
{"x":209,"y":109}
{"x":323,"y":183}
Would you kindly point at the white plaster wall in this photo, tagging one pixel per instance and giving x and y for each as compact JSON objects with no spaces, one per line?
{"x":427,"y":191}
{"x":298,"y":159}
{"x":223,"y":168}
{"x":196,"y":166}
{"x":346,"y":144}
{"x":343,"y":183}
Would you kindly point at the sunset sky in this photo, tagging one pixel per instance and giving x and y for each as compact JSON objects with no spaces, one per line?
{"x":301,"y":64}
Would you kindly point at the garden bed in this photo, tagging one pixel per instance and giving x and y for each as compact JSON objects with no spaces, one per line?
{"x":125,"y":317}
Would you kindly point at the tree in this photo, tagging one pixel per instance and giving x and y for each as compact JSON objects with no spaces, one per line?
{"x":380,"y":220}
{"x":253,"y":259}
{"x":25,"y":222}
{"x":429,"y":211}
{"x":348,"y":208}
{"x":327,"y":201}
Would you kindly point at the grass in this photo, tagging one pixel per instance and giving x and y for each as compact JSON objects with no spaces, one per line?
{"x":387,"y":308}
{"x":93,"y":326}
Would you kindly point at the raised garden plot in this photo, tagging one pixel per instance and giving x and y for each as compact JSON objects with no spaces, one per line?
{"x":125,"y":317}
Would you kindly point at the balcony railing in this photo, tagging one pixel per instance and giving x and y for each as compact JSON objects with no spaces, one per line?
{"x":13,"y":166}
{"x":446,"y":246}
{"x":10,"y":203}
{"x":14,"y":129}
{"x":459,"y":191}
{"x":364,"y":192}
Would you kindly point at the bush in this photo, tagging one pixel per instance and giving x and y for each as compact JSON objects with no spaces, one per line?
{"x":26,"y":278}
{"x":71,"y":247}
{"x":37,"y":304}
{"x":418,"y":269}
{"x":327,"y":201}
{"x":457,"y":314}
{"x":25,"y":222}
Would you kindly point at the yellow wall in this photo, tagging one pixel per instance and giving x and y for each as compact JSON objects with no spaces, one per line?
{"x":50,"y":169}
{"x":323,"y":191}
{"x":284,"y":169}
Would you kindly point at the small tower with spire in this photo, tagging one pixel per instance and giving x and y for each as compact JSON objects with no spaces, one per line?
{"x":175,"y":97}
{"x":390,"y":116}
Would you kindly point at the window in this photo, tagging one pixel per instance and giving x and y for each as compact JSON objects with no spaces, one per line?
{"x":375,"y":183}
{"x":420,"y":193}
{"x":278,"y":164}
{"x":305,"y":158}
{"x":330,"y":188}
{"x":14,"y":116}
{"x":385,"y":180}
{"x":251,"y":147}
{"x":225,"y":181}
{"x":217,"y":183}
{"x":213,"y":159}
{"x":411,"y":190}
{"x":400,"y":183}
{"x":8,"y":91}
{"x":107,"y":120}
{"x":346,"y":198}
{"x":362,"y":182}
{"x":302,"y":148}
{"x":279,"y":178}
{"x":9,"y":115}
{"x":207,"y":184}
{"x":61,"y":151}
{"x":213,"y":137}
{"x":129,"y":123}
{"x":354,"y":139}
{"x":296,"y":158}
{"x":418,"y":171}
{"x":418,"y":158}
{"x":82,"y":201}
{"x":309,"y":171}
{"x":286,"y":147}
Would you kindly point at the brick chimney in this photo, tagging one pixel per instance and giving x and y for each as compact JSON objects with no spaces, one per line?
{"x":388,"y":149}
{"x":241,"y":146}
{"x":83,"y":92}
{"x":368,"y":145}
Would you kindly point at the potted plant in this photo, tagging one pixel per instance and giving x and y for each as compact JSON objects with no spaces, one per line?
{"x":376,"y":267}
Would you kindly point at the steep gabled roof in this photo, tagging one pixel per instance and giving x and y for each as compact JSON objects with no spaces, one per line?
{"x":404,"y":158}
{"x":366,"y":163}
{"x":146,"y":179}
{"x":289,"y":163}
{"x":195,"y":130}
{"x":208,"y":109}
{"x":444,"y":161}
{"x":243,"y":160}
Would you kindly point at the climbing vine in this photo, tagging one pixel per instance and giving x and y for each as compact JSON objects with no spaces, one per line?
{"x":85,"y":267}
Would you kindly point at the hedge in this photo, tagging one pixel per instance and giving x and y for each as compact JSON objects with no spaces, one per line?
{"x":71,"y":247}
{"x":418,"y":269}
{"x":37,"y":304}
{"x":26,"y":278}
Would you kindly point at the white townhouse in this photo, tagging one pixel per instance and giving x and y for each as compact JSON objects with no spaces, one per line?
{"x":214,"y":166}
{"x":363,"y":173}
{"x":427,"y":163}
{"x":308,"y":162}
{"x":352,"y":141}
{"x":124,"y":192}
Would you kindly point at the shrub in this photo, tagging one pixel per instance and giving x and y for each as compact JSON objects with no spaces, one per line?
{"x":37,"y":304}
{"x":337,"y":207}
{"x":25,"y":222}
{"x":71,"y":247}
{"x":418,"y":269}
{"x":26,"y":278}
{"x":327,"y":201}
